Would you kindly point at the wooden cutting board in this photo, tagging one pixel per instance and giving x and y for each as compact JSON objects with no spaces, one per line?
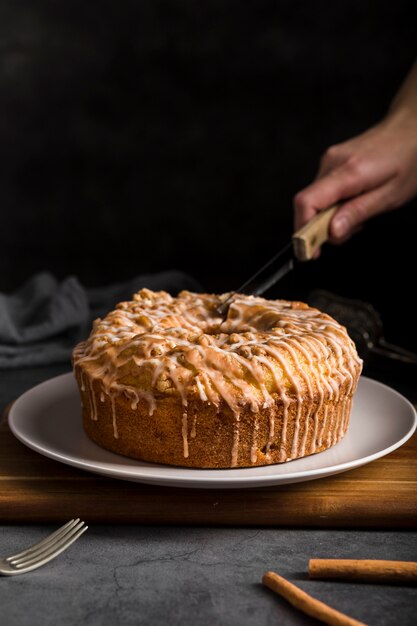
{"x":382,"y":494}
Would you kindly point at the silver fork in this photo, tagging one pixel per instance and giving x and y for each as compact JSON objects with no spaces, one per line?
{"x":44,"y":551}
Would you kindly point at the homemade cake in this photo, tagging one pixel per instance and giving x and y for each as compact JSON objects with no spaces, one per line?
{"x":167,"y":380}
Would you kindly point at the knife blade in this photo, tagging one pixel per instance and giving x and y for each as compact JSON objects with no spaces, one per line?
{"x":302,"y":247}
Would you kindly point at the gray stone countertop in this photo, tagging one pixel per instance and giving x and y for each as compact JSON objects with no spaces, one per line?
{"x":143,"y":575}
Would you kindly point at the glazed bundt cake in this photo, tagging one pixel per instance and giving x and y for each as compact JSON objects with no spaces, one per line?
{"x":166,"y":379}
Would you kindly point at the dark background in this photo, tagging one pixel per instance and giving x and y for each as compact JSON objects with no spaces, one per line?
{"x":138,"y":136}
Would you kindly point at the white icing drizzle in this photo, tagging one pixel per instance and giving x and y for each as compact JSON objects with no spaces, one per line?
{"x":113,"y":411}
{"x":235,"y":446}
{"x":286,"y":401}
{"x":193,"y":432}
{"x":254,"y":448}
{"x":203,"y":395}
{"x":347,"y":413}
{"x":315,"y":374}
{"x":323,"y":426}
{"x":321,"y":384}
{"x":185,"y":434}
{"x":93,"y":402}
{"x":275,"y":356}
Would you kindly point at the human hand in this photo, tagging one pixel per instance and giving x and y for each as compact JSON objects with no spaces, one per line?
{"x":369,"y":174}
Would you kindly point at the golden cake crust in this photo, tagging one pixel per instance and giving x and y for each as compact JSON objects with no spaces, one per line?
{"x":166,"y":380}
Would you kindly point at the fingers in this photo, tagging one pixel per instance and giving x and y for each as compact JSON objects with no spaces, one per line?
{"x":351,"y":233}
{"x":351,"y":215}
{"x":333,"y":158}
{"x":303,"y":212}
{"x":353,"y":178}
{"x":336,"y":186}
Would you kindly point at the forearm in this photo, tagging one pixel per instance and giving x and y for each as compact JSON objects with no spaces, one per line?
{"x":405,"y":100}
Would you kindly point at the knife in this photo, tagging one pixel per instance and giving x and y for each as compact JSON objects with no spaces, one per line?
{"x":302,"y":247}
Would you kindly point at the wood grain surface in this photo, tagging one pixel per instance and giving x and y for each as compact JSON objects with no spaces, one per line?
{"x":382,"y":494}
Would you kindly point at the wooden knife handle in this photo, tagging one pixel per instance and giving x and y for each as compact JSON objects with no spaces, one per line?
{"x":313,"y":234}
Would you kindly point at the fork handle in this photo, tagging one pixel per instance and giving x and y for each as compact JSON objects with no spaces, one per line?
{"x":313,"y":234}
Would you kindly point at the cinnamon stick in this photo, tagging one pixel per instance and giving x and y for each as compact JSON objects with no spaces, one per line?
{"x":306,"y":603}
{"x":373,"y":571}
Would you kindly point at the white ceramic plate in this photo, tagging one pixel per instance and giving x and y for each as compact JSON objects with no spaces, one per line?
{"x":47,"y":419}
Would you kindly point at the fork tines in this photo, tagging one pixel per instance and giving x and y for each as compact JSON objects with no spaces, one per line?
{"x":48,"y":549}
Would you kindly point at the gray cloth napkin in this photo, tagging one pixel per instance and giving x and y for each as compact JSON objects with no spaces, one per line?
{"x":42,"y":321}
